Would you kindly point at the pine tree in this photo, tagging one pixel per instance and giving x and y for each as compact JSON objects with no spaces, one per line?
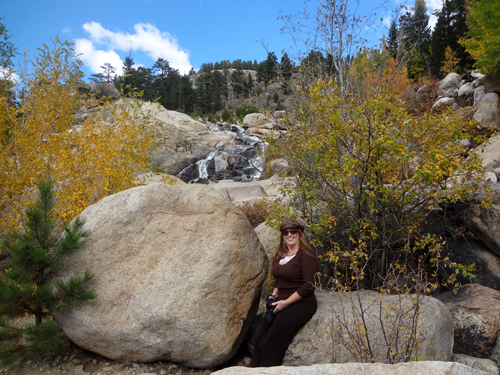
{"x":416,"y":37}
{"x":450,"y":27}
{"x":24,"y":288}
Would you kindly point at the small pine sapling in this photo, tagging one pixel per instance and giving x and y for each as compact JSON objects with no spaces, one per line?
{"x":25,"y":290}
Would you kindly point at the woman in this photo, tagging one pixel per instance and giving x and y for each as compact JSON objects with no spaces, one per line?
{"x":293,"y":268}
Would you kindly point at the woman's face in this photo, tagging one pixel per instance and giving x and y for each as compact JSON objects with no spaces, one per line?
{"x":291,"y":237}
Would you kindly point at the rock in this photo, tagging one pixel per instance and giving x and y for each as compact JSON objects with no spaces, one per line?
{"x":478,"y":96}
{"x":492,"y":83}
{"x":254,"y":120}
{"x":476,"y":315}
{"x":104,"y":89}
{"x":449,"y":102}
{"x":423,"y":92}
{"x":488,"y":112}
{"x":449,"y":84}
{"x":466,"y":93}
{"x":482,"y":364}
{"x":491,"y":154}
{"x":467,"y":251}
{"x":178,"y":272}
{"x":269,"y":238}
{"x":324,"y":339}
{"x":184,"y":140}
{"x":409,"y":368}
{"x":483,"y":223}
{"x":495,"y":355}
{"x":279,"y":166}
{"x":237,"y":192}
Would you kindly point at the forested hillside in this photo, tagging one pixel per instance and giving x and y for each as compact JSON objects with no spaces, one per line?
{"x":427,"y":54}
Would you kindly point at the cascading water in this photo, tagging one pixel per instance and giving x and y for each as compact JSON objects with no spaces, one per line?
{"x":240,"y":159}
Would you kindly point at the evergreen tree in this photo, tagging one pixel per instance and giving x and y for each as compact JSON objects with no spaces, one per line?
{"x":248,"y":82}
{"x":24,"y":289}
{"x":392,"y":39}
{"x":286,"y":69}
{"x":450,"y":27}
{"x":416,"y":37}
{"x":209,"y":91}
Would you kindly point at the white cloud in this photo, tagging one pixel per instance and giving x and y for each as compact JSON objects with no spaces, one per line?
{"x":147,"y":38}
{"x":66,"y":30}
{"x":10,"y":75}
{"x":95,"y":58}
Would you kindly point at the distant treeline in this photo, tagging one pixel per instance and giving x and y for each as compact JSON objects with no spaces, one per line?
{"x":206,"y":93}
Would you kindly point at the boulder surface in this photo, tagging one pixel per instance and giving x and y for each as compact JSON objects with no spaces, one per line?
{"x":409,"y":368}
{"x":334,"y":332}
{"x":476,"y":314}
{"x":178,"y":273}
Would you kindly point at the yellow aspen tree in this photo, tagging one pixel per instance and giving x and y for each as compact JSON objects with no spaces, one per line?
{"x":450,"y":63}
{"x":86,"y":162}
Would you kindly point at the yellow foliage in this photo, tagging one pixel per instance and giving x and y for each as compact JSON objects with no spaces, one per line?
{"x":99,"y":157}
{"x":450,"y":63}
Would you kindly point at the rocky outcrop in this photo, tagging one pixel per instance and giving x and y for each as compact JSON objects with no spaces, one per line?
{"x":449,"y":84}
{"x":476,"y":316}
{"x":325,"y":338}
{"x":410,"y":368}
{"x":178,"y":272}
{"x":183,"y":140}
{"x":488,"y":112}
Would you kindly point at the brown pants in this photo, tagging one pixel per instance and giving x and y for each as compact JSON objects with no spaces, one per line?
{"x":270,"y":350}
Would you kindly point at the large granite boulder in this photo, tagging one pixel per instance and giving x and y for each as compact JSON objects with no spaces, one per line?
{"x":488,"y":113}
{"x":254,"y":120}
{"x":449,"y":84}
{"x":331,"y":335}
{"x":104,"y":89}
{"x":476,"y":315}
{"x":409,"y":368}
{"x":178,"y":275}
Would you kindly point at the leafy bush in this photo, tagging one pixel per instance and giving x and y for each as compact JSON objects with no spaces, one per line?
{"x":245,"y":109}
{"x":256,"y":213}
{"x":368,"y":171}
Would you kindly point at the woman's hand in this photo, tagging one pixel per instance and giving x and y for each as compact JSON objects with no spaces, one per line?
{"x":280,"y":305}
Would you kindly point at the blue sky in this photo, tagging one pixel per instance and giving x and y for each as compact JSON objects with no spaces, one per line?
{"x":185,"y":32}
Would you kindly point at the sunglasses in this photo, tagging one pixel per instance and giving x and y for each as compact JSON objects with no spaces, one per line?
{"x":284,"y":232}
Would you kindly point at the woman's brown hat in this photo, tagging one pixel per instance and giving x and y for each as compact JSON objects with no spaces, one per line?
{"x":290,"y":223}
